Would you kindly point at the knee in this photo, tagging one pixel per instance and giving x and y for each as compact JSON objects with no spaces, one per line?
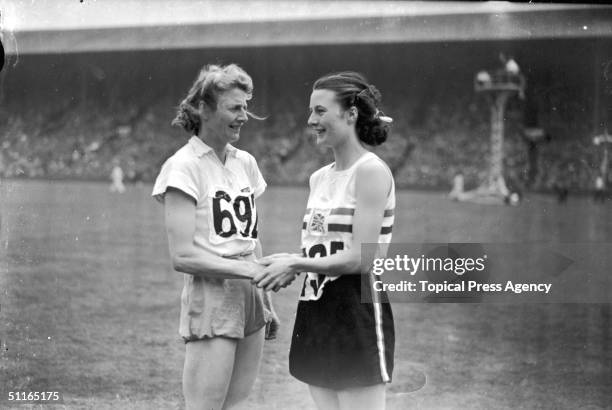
{"x":202,"y":393}
{"x":198,"y":399}
{"x":236,"y":396}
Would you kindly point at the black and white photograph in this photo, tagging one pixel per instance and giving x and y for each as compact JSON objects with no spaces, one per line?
{"x":305,"y":205}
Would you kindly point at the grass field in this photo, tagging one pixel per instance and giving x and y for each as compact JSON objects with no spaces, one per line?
{"x":89,"y":306}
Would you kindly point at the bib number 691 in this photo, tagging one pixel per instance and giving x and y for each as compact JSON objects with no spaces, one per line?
{"x":234,"y":216}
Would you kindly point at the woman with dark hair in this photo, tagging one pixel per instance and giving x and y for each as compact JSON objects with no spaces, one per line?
{"x":342,"y":348}
{"x":208,"y":188}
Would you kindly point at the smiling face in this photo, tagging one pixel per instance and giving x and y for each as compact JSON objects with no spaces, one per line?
{"x":329,"y":121}
{"x":223,"y":125}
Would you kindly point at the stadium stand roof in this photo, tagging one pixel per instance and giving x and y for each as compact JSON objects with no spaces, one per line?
{"x":65,"y":26}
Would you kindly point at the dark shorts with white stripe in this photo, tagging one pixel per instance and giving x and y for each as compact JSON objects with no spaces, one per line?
{"x":339,"y":342}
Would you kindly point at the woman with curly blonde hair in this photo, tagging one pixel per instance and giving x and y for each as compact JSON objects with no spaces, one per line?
{"x":208,"y":188}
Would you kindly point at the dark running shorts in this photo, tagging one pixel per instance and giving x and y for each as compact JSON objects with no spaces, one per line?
{"x":339,"y":342}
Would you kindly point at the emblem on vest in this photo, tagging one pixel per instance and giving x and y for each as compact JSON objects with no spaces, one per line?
{"x":318,"y":223}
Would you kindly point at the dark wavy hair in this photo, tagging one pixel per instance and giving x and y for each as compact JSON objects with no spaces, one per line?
{"x":352,"y":89}
{"x":212,"y":80}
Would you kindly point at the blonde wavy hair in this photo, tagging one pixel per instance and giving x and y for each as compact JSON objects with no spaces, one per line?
{"x":212,"y":80}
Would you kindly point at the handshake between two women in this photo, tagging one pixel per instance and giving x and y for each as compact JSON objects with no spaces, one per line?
{"x":276,"y":271}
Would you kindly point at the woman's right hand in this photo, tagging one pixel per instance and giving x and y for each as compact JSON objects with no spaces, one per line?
{"x":252,"y":269}
{"x":278,"y":273}
{"x":268,"y":259}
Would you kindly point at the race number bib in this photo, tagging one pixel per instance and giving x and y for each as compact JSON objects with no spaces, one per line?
{"x":312,"y":289}
{"x":233,"y":215}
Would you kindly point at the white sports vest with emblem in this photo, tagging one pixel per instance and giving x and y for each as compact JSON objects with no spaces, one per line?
{"x":328,"y":222}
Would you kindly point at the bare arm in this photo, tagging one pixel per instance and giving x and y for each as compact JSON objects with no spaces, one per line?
{"x":372,"y":187}
{"x":258,"y":250}
{"x":180,"y":226}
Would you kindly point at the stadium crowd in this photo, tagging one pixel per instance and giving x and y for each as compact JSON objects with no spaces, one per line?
{"x":429,"y":143}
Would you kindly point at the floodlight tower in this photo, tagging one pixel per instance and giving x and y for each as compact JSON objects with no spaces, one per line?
{"x":498,"y":86}
{"x":604,"y":140}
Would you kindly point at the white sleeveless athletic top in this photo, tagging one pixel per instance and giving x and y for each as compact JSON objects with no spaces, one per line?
{"x":328,"y":223}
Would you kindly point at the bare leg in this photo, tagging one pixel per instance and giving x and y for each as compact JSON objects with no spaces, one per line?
{"x":246,"y":367}
{"x":363,"y":398}
{"x":207,"y":372}
{"x":325,"y":399}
